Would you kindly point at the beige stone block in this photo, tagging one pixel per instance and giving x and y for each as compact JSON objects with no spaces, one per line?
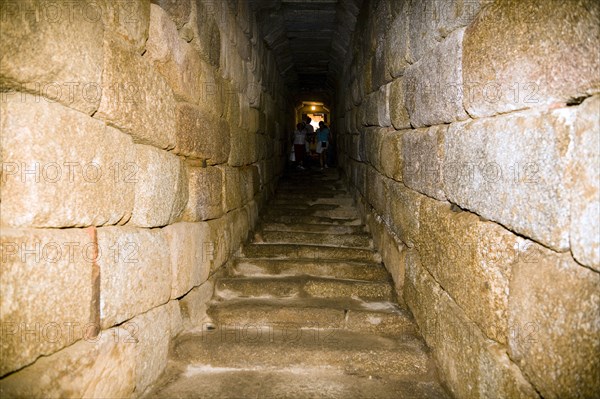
{"x":136,"y":99}
{"x":470,"y":365}
{"x":422,"y":160}
{"x":189,"y":264}
{"x":201,"y":135}
{"x":175,"y":317}
{"x":472,"y":260}
{"x":195,"y":303}
{"x":398,"y":113}
{"x":233,"y":194}
{"x":161,"y":190}
{"x":393,"y":258}
{"x":135,"y":272}
{"x":153,"y":333}
{"x":523,"y":54}
{"x":377,"y":191}
{"x":585,"y":174}
{"x":221,"y":246}
{"x":243,"y":147}
{"x":178,"y":10}
{"x":63,"y":168}
{"x":46,"y":296}
{"x":513,"y":169}
{"x":127,"y":20}
{"x":373,"y":138}
{"x":554,"y":313}
{"x":433,"y":86}
{"x":67,"y":71}
{"x":97,"y":367}
{"x":391,"y":154}
{"x":174,"y":58}
{"x":205,"y":194}
{"x":404,"y":207}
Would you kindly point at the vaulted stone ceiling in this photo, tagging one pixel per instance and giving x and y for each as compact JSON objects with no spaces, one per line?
{"x":309,"y":38}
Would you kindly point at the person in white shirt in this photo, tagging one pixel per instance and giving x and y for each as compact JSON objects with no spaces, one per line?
{"x":299,"y":144}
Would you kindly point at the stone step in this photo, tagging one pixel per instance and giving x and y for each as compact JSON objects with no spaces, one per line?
{"x":302,"y":287}
{"x":339,"y":201}
{"x":308,"y":219}
{"x":347,"y":351}
{"x":335,"y":212}
{"x":315,"y":252}
{"x":383,"y":318}
{"x":288,"y":237}
{"x":291,"y":382}
{"x":313,"y":228}
{"x":317,"y":268}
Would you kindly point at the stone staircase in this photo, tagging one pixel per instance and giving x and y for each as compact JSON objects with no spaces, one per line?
{"x":307,"y":310}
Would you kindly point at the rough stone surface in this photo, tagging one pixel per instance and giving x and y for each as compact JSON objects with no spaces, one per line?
{"x":128,"y":21}
{"x":195,"y":304}
{"x":174,"y":58}
{"x":176,"y":318}
{"x":522,"y":54}
{"x":189,"y":264}
{"x":75,"y":370}
{"x":161,"y":190}
{"x":178,"y":10}
{"x":153,"y":332}
{"x":391,"y":160}
{"x":472,"y":260}
{"x":554,"y":311}
{"x":433,"y":86}
{"x":404,"y":211}
{"x":135,"y":272}
{"x":513,"y":169}
{"x":85,"y":177}
{"x":38,"y":266}
{"x":205,"y":194}
{"x":585,"y":197}
{"x":136,"y":99}
{"x":235,"y":187}
{"x":471,"y":365}
{"x":422,"y":158}
{"x":396,"y":42}
{"x":201,"y":135}
{"x":398,"y":112}
{"x":28,"y":41}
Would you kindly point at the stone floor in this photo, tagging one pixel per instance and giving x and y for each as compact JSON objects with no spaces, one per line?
{"x":306,"y":311}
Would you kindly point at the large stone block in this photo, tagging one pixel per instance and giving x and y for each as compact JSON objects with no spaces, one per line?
{"x":513,"y":169}
{"x":126,"y":20}
{"x":391,"y":163}
{"x":422,"y":157}
{"x":233,"y":193}
{"x":67,"y":71}
{"x":176,"y":318}
{"x":195,"y":304}
{"x":377,"y":193}
{"x":136,"y":99}
{"x":554,"y":311}
{"x":221,"y":246}
{"x":205,"y":194}
{"x":189,"y":266}
{"x":201,"y":135}
{"x":98,"y":367}
{"x":472,"y":260}
{"x":433,"y":86}
{"x":470,"y":365}
{"x":153,"y":333}
{"x":397,"y":40}
{"x":398,"y":113}
{"x":135,"y":272}
{"x":404,"y":207}
{"x":522,"y":54}
{"x":373,"y":138}
{"x":46,"y":296}
{"x":62,"y":168}
{"x":585,"y":174}
{"x":161,"y":190}
{"x":178,"y":10}
{"x":173,"y":57}
{"x":243,"y":147}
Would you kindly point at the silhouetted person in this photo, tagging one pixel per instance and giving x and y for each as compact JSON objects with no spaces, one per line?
{"x":300,"y":144}
{"x":322,"y":143}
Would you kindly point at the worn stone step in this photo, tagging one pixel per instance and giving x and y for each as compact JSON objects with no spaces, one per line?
{"x":335,"y":212}
{"x":340,"y":201}
{"x":343,"y":240}
{"x":200,"y":381}
{"x":319,"y":268}
{"x":313,"y":228}
{"x":302,"y":287}
{"x":347,"y":351}
{"x":346,"y":314}
{"x":308,"y":219}
{"x":293,"y":251}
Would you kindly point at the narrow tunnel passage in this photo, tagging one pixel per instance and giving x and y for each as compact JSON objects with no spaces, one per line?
{"x":145,"y":149}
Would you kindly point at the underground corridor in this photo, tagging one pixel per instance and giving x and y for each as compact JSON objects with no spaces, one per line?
{"x":300,"y":199}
